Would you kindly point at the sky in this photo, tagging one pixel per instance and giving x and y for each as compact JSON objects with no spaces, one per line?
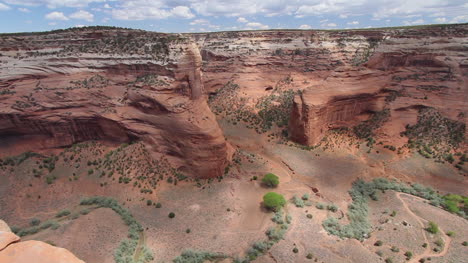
{"x":221,"y":15}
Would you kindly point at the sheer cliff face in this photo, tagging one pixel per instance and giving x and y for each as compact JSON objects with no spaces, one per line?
{"x":63,"y":87}
{"x":346,"y":75}
{"x":67,"y":87}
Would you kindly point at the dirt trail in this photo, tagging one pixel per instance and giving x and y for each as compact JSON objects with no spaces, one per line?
{"x":139,"y":247}
{"x":427,"y":252}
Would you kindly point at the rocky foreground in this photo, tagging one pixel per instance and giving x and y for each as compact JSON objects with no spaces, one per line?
{"x":12,"y":250}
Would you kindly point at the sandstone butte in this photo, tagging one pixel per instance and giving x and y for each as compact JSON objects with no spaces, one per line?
{"x":14,"y":251}
{"x":120,"y":85}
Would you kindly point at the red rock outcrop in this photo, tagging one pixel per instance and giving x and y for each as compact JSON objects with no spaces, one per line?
{"x":119,"y":85}
{"x":14,"y":251}
{"x":414,"y":67}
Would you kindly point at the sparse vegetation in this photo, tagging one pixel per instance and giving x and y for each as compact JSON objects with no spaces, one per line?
{"x":273,"y":201}
{"x":63,"y":213}
{"x":433,"y":228}
{"x":270,"y":180}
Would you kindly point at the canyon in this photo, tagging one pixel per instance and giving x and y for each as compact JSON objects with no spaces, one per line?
{"x":168,"y":134}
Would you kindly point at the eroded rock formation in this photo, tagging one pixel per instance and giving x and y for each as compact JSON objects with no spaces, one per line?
{"x":112,"y":85}
{"x":12,"y":250}
{"x":345,"y":75}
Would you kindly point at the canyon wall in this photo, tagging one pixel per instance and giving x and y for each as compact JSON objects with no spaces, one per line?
{"x":120,"y":85}
{"x":346,"y":76}
{"x":64,"y":87}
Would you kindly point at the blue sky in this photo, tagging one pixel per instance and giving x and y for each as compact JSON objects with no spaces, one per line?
{"x":217,"y":15}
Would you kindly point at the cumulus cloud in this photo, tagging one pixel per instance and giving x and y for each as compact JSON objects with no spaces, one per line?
{"x":305,"y":27}
{"x":460,"y":19}
{"x":4,"y":7}
{"x":200,"y":22}
{"x":56,"y":16}
{"x":83,"y":15}
{"x":440,"y":20}
{"x":24,"y":10}
{"x":353,"y":23}
{"x":242,"y":20}
{"x":143,"y":9}
{"x":182,"y":11}
{"x":256,"y":25}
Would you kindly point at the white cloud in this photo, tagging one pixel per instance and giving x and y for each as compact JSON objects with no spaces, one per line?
{"x":460,"y":19}
{"x":330,"y":25}
{"x":83,"y":15}
{"x":105,"y":20}
{"x":52,"y":23}
{"x":54,"y":3}
{"x":242,"y":20}
{"x":107,"y":6}
{"x":4,"y":7}
{"x":305,"y":27}
{"x":182,"y":11}
{"x":56,"y":16}
{"x":440,"y":20}
{"x":144,"y":9}
{"x":24,"y":10}
{"x":256,"y":25}
{"x":200,"y":22}
{"x":353,"y":23}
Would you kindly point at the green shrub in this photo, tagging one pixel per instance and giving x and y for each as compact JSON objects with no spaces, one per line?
{"x":450,"y":233}
{"x":378,"y":243}
{"x":171,"y":215}
{"x":149,"y":202}
{"x":270,"y":180}
{"x":395,"y":249}
{"x":305,"y":197}
{"x":195,"y":256}
{"x":465,"y":243}
{"x":309,"y":216}
{"x":310,"y":256}
{"x":432,"y":228}
{"x":320,"y":206}
{"x":187,"y":230}
{"x":295,"y":250}
{"x":158,"y":205}
{"x":62,"y":213}
{"x":408,"y":255}
{"x":273,"y":201}
{"x":35,"y":222}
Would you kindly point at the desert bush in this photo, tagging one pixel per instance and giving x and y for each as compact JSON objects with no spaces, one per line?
{"x":408,"y":255}
{"x":171,"y":215}
{"x":450,"y":233}
{"x":270,"y":180}
{"x":310,"y":256}
{"x":433,"y":228}
{"x":35,"y":222}
{"x":278,"y":217}
{"x":295,"y":250}
{"x":332,"y":207}
{"x":158,"y":205}
{"x":62,"y":213}
{"x":195,"y":256}
{"x":305,"y":197}
{"x":320,"y":206}
{"x":378,"y":243}
{"x":273,"y":201}
{"x":395,"y":249}
{"x":149,"y":202}
{"x":297,"y":201}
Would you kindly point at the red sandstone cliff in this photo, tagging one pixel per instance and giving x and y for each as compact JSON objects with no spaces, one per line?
{"x":116,"y":85}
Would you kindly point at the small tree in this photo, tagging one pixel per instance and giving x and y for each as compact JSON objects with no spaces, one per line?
{"x":273,"y":201}
{"x":270,"y":180}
